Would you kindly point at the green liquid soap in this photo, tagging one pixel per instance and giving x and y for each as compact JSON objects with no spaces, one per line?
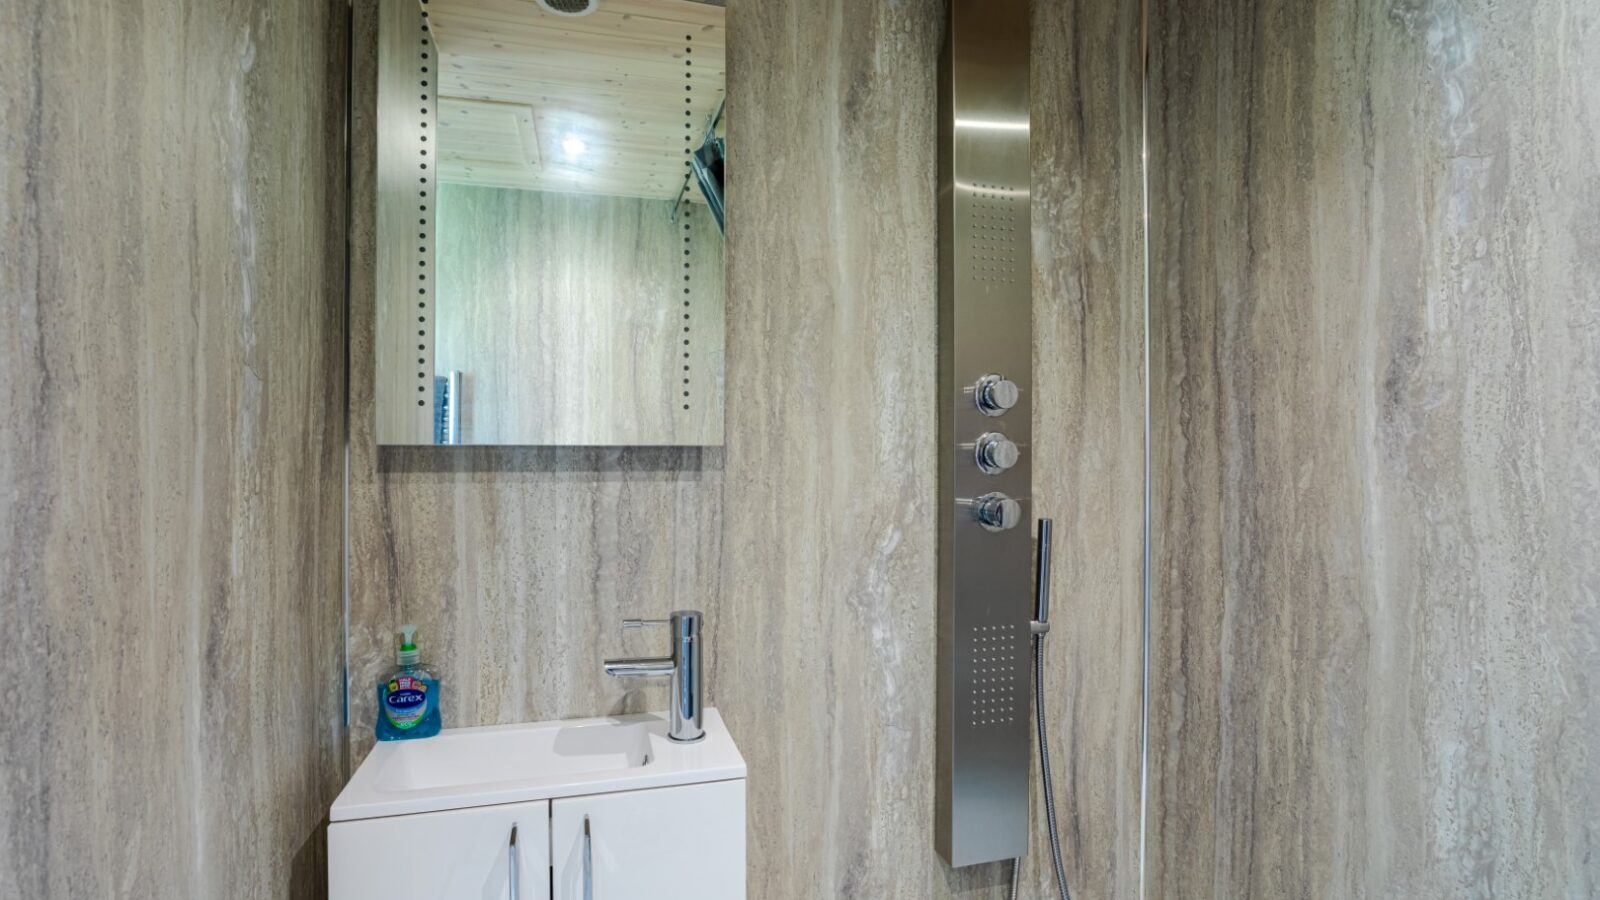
{"x":408,"y":700}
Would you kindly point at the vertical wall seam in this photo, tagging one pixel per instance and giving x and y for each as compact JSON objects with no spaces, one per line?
{"x":1144,"y":190}
{"x":344,"y":512}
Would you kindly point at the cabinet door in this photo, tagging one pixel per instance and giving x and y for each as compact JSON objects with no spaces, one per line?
{"x":676,"y":843}
{"x":461,"y":854}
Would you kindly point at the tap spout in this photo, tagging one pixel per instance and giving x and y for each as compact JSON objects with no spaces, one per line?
{"x":638,"y":667}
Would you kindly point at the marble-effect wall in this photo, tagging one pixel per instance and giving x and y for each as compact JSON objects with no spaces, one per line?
{"x":1088,"y":371}
{"x":809,"y":540}
{"x":171,"y":331}
{"x":1375,"y":318}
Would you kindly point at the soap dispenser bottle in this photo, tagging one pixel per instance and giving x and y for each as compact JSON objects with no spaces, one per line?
{"x":408,"y":700}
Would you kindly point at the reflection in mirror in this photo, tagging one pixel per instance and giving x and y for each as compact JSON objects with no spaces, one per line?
{"x":567,"y":248}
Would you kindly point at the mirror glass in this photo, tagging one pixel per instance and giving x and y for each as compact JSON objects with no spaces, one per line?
{"x":570,"y":263}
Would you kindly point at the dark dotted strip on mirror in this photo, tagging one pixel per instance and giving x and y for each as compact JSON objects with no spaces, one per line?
{"x":688,"y":208}
{"x":424,"y":64}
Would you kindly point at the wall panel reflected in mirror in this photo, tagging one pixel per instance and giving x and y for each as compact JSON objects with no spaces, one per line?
{"x":550,"y":260}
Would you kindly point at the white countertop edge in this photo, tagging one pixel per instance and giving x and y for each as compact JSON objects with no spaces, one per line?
{"x":732,"y":768}
{"x":389,"y":809}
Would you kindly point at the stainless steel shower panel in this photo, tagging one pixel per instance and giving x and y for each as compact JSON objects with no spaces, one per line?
{"x":985,"y":387}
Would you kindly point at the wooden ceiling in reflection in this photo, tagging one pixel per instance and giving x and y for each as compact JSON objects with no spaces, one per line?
{"x":520,"y":89}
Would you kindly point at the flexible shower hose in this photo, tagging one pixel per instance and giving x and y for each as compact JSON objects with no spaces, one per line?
{"x":1044,"y":776}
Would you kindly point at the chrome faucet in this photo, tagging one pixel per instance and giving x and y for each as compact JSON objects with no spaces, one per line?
{"x":686,"y":716}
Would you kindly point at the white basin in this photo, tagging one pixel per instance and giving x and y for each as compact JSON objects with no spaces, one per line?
{"x":465,"y":757}
{"x":465,"y":767}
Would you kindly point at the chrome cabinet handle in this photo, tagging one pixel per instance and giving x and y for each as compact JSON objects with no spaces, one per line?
{"x":588,"y":862}
{"x":516,"y":868}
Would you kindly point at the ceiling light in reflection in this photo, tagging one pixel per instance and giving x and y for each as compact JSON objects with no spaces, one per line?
{"x":573,"y":146}
{"x":991,"y":125}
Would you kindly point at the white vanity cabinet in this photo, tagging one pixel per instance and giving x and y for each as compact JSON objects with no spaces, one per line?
{"x":589,"y":809}
{"x":675,"y":843}
{"x":488,"y":853}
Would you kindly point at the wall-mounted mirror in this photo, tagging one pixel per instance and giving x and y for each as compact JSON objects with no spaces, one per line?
{"x":550,"y":208}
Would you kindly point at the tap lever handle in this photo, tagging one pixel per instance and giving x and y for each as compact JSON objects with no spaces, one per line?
{"x":640,"y":623}
{"x":684,"y":622}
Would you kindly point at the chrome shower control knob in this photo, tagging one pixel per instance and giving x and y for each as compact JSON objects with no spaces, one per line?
{"x":995,"y":394}
{"x":996,"y":453}
{"x":997,"y":512}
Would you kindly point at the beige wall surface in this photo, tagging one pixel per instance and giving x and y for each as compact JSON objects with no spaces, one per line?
{"x":809,"y":541}
{"x":171,"y":349}
{"x":1376,"y":331}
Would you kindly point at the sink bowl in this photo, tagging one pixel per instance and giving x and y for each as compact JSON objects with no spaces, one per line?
{"x":471,"y":756}
{"x":466,"y":767}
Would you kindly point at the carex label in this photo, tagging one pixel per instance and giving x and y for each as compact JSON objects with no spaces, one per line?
{"x":405,"y":701}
